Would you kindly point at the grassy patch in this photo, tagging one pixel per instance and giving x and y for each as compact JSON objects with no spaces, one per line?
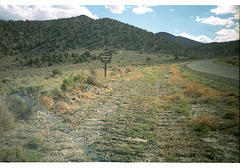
{"x":205,"y":123}
{"x":16,"y":154}
{"x":183,"y":108}
{"x":171,"y":159}
{"x":192,"y":89}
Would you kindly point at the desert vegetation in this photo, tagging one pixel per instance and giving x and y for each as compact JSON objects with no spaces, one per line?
{"x":143,"y":112}
{"x":234,"y":61}
{"x":57,"y":106}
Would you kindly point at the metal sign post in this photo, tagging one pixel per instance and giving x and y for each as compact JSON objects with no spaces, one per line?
{"x":106,"y":58}
{"x":105,"y":71}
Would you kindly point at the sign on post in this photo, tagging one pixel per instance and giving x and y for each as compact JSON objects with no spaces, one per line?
{"x":106,"y":58}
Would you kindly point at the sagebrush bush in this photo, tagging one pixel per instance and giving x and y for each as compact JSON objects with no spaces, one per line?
{"x":6,"y":118}
{"x":57,"y":72}
{"x":56,"y":93}
{"x":28,"y":90}
{"x":96,"y":78}
{"x":20,"y":107}
{"x":73,"y":82}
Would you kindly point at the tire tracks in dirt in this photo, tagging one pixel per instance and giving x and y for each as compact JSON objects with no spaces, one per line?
{"x":173,"y":141}
{"x":120,"y":126}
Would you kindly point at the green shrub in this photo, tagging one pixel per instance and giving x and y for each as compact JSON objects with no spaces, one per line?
{"x":50,"y":64}
{"x":57,"y":72}
{"x":27,"y":90}
{"x":73,"y":82}
{"x":201,"y":128}
{"x":87,"y":54}
{"x":33,"y":143}
{"x":56,"y":93}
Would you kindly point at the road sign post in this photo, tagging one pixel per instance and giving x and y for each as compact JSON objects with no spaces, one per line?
{"x":105,"y":71}
{"x":106,"y":58}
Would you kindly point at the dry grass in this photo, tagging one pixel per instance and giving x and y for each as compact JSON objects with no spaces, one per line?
{"x":232,"y":113}
{"x":63,"y":107}
{"x":162,"y":67}
{"x":207,"y":120}
{"x":96,"y":78}
{"x":46,"y":102}
{"x":190,"y":91}
{"x":176,"y":76}
{"x":196,"y":90}
{"x":176,"y":97}
{"x":205,"y":123}
{"x":88,"y":95}
{"x":6,"y":118}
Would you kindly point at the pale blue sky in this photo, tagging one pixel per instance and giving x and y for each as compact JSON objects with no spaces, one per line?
{"x":202,"y":23}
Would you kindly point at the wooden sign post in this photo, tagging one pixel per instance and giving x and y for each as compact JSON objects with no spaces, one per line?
{"x":106,"y":58}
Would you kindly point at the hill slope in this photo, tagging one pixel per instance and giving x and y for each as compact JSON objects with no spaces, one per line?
{"x":79,"y":32}
{"x":43,"y":39}
{"x":207,"y":50}
{"x":182,"y":41}
{"x":215,"y":50}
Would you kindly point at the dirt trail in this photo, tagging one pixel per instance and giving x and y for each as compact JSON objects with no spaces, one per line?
{"x":130,"y":121}
{"x":174,"y":141}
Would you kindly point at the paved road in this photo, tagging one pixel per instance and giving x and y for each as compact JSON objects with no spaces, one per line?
{"x":208,"y":66}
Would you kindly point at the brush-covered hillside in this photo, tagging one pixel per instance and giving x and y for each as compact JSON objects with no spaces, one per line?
{"x":215,"y":50}
{"x":204,"y":50}
{"x":81,"y":32}
{"x":182,"y":41}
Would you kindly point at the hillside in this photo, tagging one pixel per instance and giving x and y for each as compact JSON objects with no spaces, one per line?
{"x":79,"y":33}
{"x":216,"y":50}
{"x":81,"y":39}
{"x":182,"y":41}
{"x":207,"y":50}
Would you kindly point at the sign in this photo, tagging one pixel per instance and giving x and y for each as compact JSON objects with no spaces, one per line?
{"x":106,"y":57}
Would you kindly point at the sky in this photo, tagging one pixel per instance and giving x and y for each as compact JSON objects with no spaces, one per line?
{"x":203,"y":23}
